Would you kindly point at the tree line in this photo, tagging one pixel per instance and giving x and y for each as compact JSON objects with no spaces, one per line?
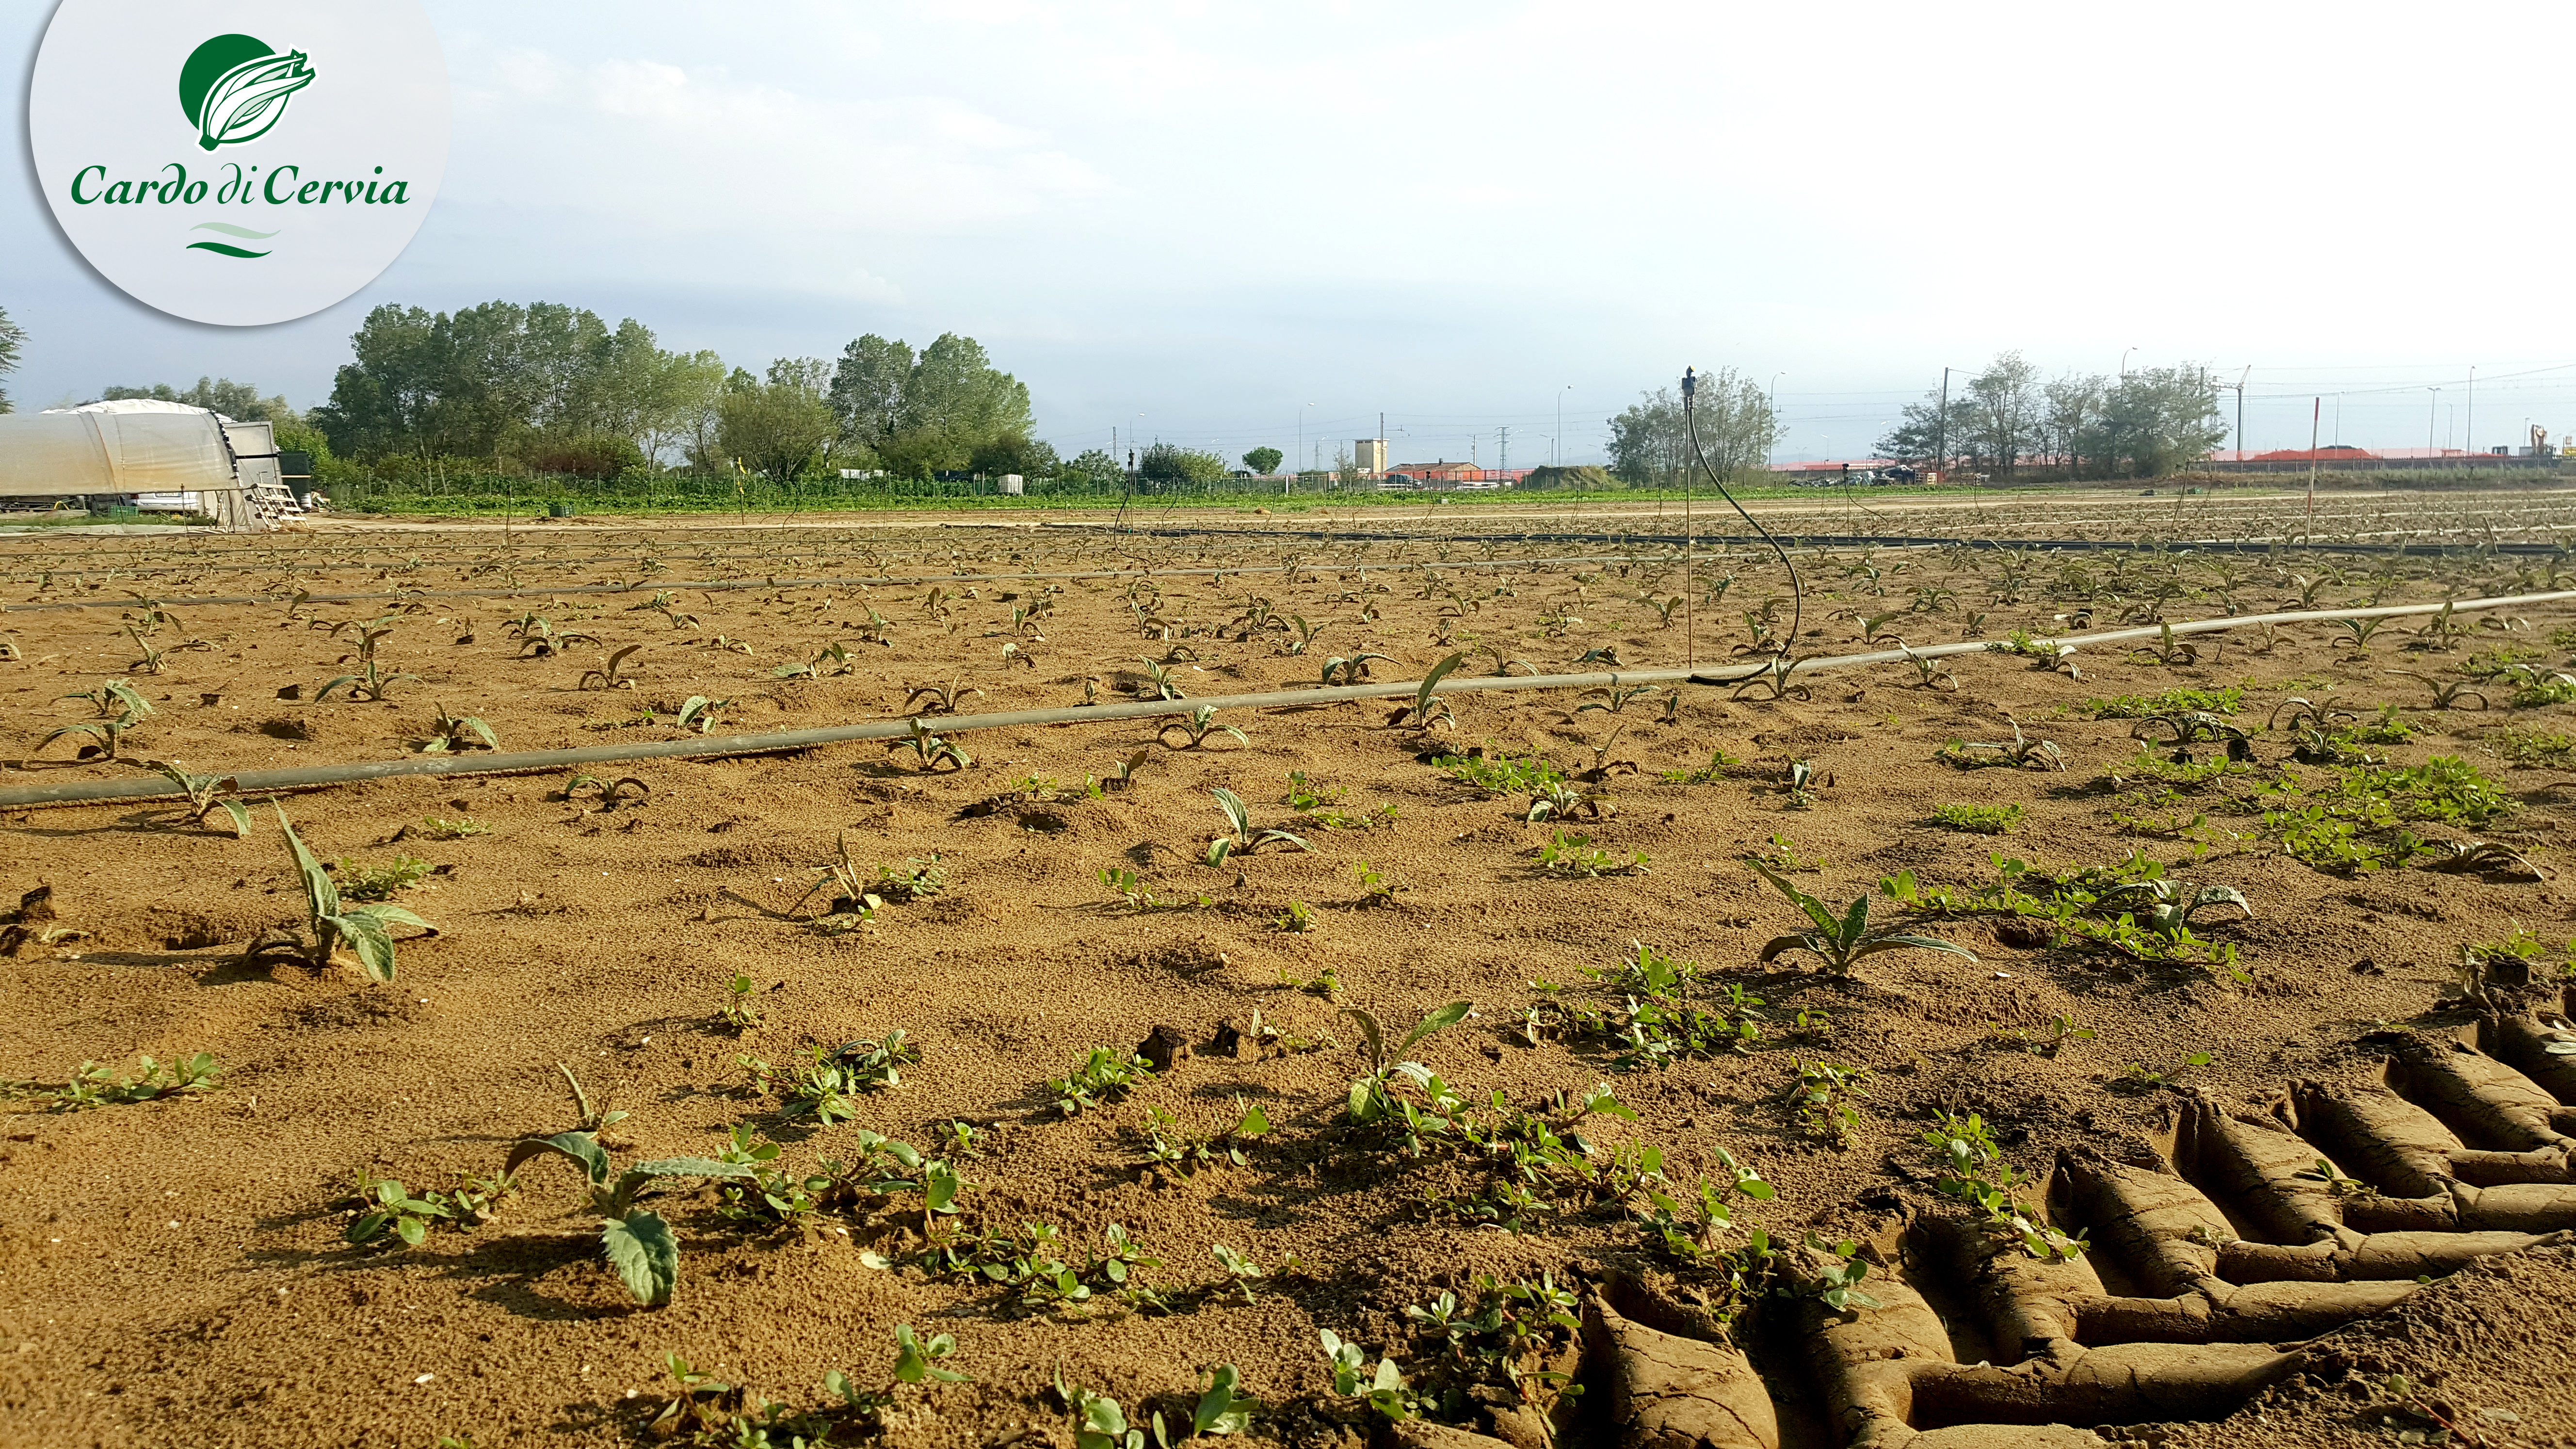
{"x":2007,"y":419}
{"x":556,"y":389}
{"x":13,"y":340}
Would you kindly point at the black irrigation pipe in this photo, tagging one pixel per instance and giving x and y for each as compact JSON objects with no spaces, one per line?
{"x":78,"y":792}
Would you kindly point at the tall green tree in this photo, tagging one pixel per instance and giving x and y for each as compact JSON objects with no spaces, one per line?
{"x":928,"y":411}
{"x":13,"y":342}
{"x":1650,"y":442}
{"x":780,"y":426}
{"x":1263,"y":460}
{"x":2073,"y":405}
{"x":2006,"y":413}
{"x":1031,"y":458}
{"x":1168,"y":465}
{"x":1923,"y":434}
{"x":1095,"y":468}
{"x":2157,"y":421}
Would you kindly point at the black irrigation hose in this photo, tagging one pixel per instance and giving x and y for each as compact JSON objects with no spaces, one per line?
{"x":77,"y":792}
{"x":1797,"y":589}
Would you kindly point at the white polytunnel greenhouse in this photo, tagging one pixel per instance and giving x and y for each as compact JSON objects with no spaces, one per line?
{"x":156,"y":457}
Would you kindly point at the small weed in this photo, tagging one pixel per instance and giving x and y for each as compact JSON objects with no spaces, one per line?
{"x":1102,"y":1076}
{"x":1127,"y":888}
{"x":1568,"y":854}
{"x":1375,"y":888}
{"x":457,"y":829}
{"x":2139,"y":1074}
{"x":740,"y":1010}
{"x":93,"y":1085}
{"x":1298,"y":919}
{"x":826,"y":1085}
{"x":1719,"y":762}
{"x":1823,"y":1095}
{"x":1498,"y":774}
{"x":1975,"y":1171}
{"x":377,"y":882}
{"x":1326,"y":983}
{"x":1979,"y":819}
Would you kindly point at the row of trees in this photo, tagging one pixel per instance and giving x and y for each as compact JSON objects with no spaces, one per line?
{"x":236,"y":400}
{"x":557,"y":389}
{"x":13,"y":341}
{"x":2007,"y":418}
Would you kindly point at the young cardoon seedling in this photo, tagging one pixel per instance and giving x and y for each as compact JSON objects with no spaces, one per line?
{"x":455,"y":734}
{"x":638,"y":1244}
{"x":1199,"y":725}
{"x":367,"y":930}
{"x":1842,"y":941}
{"x":1241,"y":838}
{"x":206,"y":795}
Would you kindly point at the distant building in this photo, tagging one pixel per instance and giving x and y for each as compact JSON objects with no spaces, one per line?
{"x":1441,"y":472}
{"x":1369,"y":456}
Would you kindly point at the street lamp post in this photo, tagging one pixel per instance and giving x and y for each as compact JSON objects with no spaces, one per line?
{"x":2432,"y":418}
{"x":2124,"y":363}
{"x":1557,"y":450}
{"x":1771,"y":403}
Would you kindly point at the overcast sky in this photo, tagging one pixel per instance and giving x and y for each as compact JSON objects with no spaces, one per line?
{"x":1195,"y":219}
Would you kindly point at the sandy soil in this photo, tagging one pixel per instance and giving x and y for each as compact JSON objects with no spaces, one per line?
{"x":174,"y":1271}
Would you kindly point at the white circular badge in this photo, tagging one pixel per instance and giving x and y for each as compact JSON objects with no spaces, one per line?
{"x":242,"y":161}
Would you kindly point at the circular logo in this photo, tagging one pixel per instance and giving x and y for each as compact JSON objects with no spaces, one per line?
{"x":302,"y":155}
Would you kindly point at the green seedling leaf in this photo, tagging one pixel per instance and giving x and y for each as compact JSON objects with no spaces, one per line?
{"x":645,"y":1254}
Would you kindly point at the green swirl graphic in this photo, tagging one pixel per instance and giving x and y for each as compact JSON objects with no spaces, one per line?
{"x":223,"y":249}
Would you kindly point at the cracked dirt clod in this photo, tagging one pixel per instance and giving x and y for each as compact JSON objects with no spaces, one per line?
{"x":1672,"y":1392}
{"x":1164,"y":1047}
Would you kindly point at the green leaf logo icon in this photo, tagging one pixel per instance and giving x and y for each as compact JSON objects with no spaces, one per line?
{"x":234,"y":87}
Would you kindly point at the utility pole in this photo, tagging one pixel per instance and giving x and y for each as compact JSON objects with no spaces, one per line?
{"x":1506,"y":468}
{"x":1560,"y":423}
{"x":2470,"y":433}
{"x":2432,"y":419}
{"x":2239,"y":385}
{"x":2316,"y":412}
{"x":1940,"y":429}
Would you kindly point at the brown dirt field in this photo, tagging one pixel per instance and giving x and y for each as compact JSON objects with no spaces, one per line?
{"x":173,"y":1272}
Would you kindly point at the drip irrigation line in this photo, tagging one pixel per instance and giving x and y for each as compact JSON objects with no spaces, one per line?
{"x":713,"y":585}
{"x":1800,"y":543}
{"x":78,"y":792}
{"x":1797,"y":589}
